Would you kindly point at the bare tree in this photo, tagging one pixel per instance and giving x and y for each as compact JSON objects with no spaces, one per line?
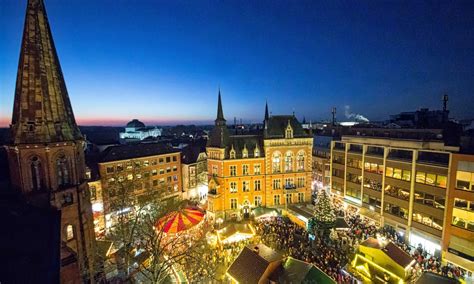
{"x":145,"y":251}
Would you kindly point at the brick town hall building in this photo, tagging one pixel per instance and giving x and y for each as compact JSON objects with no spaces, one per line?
{"x":269,"y":168}
{"x":46,"y":152}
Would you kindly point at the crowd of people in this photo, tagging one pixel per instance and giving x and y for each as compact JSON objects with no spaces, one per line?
{"x":332,"y":254}
{"x":283,"y":235}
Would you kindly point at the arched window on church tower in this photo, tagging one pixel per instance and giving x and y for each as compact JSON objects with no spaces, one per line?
{"x":36,"y":176}
{"x":62,"y":170}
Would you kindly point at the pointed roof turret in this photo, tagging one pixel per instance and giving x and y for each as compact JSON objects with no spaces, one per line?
{"x":219,"y":134}
{"x":220,"y":113}
{"x":266,"y":111}
{"x":42,"y":111}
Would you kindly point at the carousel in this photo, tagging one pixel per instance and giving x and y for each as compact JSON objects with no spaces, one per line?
{"x":186,"y":220}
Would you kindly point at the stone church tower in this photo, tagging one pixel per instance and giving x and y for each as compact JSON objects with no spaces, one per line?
{"x":46,"y":153}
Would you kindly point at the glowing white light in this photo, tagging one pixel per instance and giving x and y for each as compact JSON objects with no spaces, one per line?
{"x":302,"y":218}
{"x":97,"y":207}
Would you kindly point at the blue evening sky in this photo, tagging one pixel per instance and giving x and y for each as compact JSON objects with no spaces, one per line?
{"x":163,"y":61}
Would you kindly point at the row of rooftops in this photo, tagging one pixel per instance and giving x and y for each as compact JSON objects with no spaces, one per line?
{"x":258,"y":262}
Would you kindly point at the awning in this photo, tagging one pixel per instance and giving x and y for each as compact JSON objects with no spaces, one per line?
{"x":262,"y":212}
{"x":235,"y":232}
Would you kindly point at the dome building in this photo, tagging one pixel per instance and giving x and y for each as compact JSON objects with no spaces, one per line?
{"x":136,"y":130}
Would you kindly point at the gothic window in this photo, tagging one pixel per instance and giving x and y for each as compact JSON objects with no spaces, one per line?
{"x":300,"y":161}
{"x":289,"y":131}
{"x":289,"y":161}
{"x":62,"y":170}
{"x":276,"y":162}
{"x":36,"y":177}
{"x":69,"y":232}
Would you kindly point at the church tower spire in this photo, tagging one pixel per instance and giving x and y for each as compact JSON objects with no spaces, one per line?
{"x":220,"y":120}
{"x":266,"y":111}
{"x":42,"y":110}
{"x":46,"y":153}
{"x":219,"y":135}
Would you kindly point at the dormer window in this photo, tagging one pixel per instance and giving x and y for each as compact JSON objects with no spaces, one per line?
{"x":289,"y":131}
{"x":257,"y":152}
{"x":232,"y":153}
{"x":245,"y":152}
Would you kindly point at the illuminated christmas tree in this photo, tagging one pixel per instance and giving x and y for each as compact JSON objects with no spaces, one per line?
{"x":324,"y":215}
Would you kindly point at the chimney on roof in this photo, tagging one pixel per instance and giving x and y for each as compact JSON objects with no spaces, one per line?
{"x":256,"y":249}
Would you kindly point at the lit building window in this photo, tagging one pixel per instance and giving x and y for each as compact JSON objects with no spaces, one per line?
{"x":289,"y":161}
{"x":233,"y":187}
{"x":245,"y":186}
{"x":276,"y":184}
{"x":276,"y":162}
{"x":257,"y":185}
{"x":300,"y":161}
{"x":300,"y":197}
{"x":256,"y":169}
{"x":245,"y":170}
{"x":93,"y":192}
{"x":257,"y":200}
{"x":233,"y":171}
{"x":276,"y":199}
{"x":69,"y":232}
{"x":233,"y":203}
{"x":300,"y":182}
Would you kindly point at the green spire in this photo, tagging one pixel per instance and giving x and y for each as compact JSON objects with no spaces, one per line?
{"x":42,"y":110}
